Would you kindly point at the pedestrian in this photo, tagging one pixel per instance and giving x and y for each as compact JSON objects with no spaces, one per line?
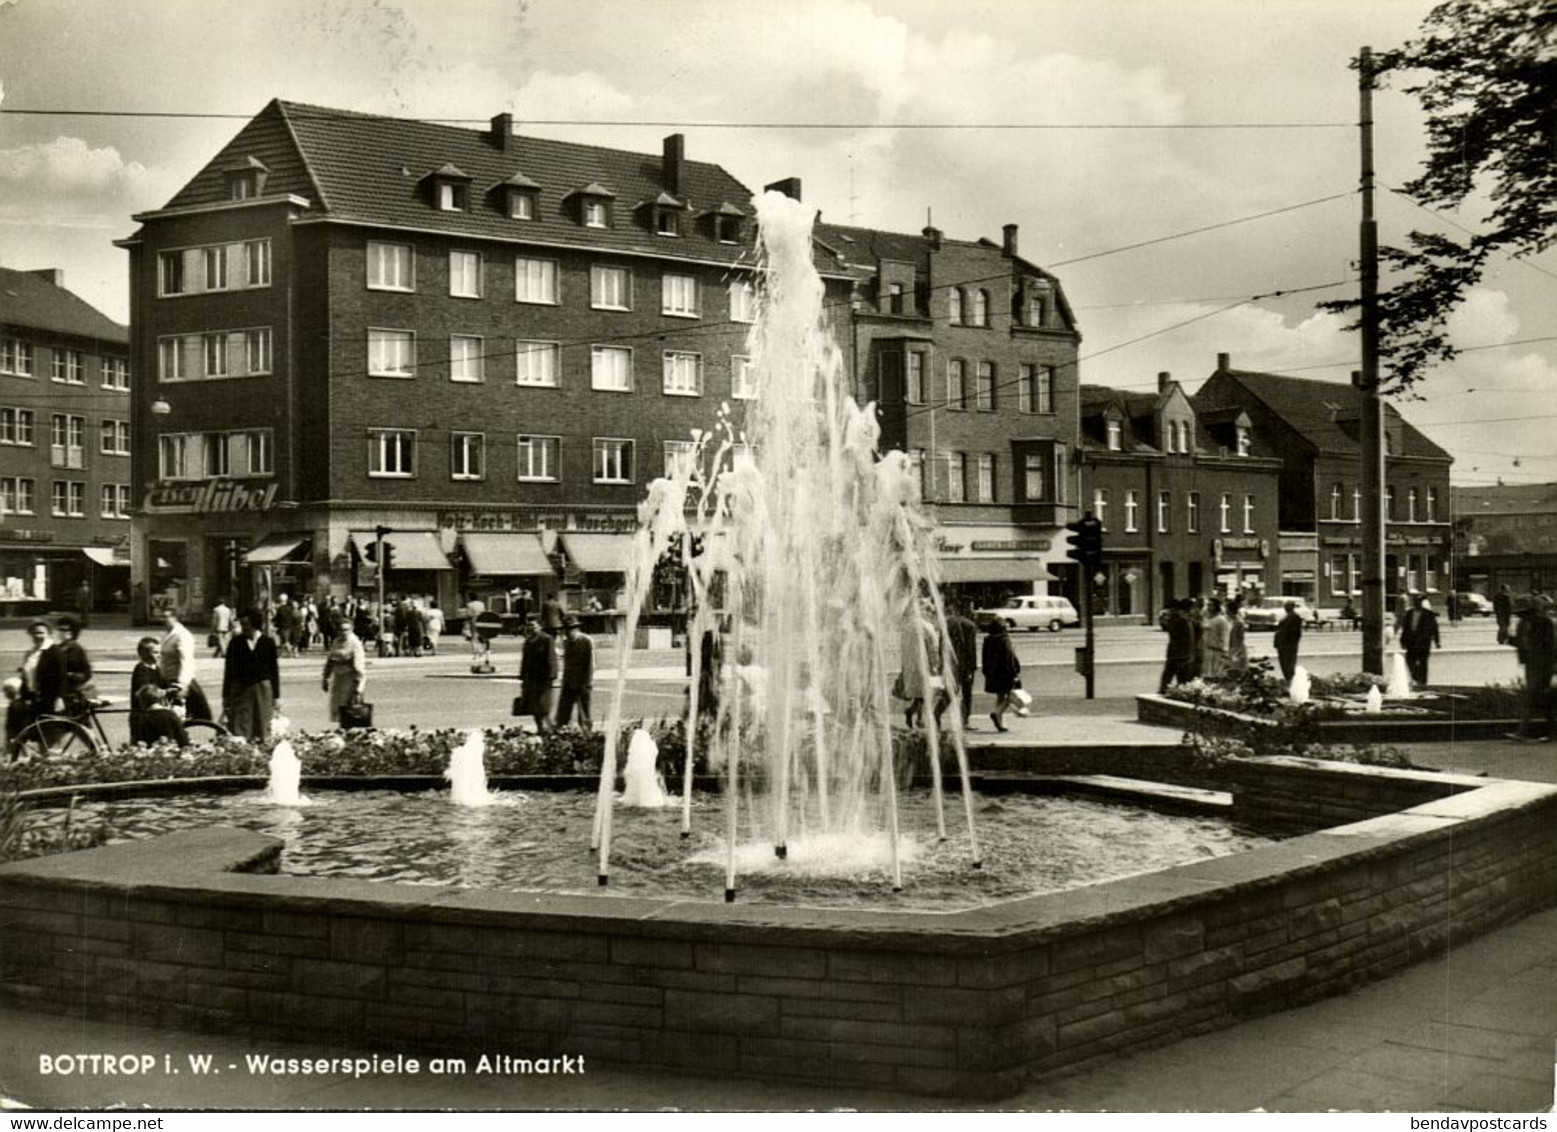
{"x":912,"y":682}
{"x":1179,"y":665}
{"x":1418,"y":637}
{"x":1214,"y":642}
{"x":1536,"y":640}
{"x":286,"y":626}
{"x":251,"y":680}
{"x":479,"y":648}
{"x":176,"y":658}
{"x":963,"y":637}
{"x":345,"y":669}
{"x":221,"y":627}
{"x":1002,"y":671}
{"x":1237,"y":649}
{"x":1503,"y":610}
{"x":537,"y":672}
{"x":1289,"y":634}
{"x":151,"y":715}
{"x":710,"y":673}
{"x":65,"y":672}
{"x":1194,"y":613}
{"x":415,"y":628}
{"x":84,"y":601}
{"x":552,"y":615}
{"x":27,"y":704}
{"x":578,"y":674}
{"x":434,"y":625}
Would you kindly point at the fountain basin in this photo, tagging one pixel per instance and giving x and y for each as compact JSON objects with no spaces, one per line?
{"x":188,"y":930}
{"x":1359,"y":728}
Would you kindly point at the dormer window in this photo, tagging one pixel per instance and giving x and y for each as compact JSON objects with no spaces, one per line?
{"x":1115,"y":434}
{"x":450,"y":199}
{"x":1243,"y":439}
{"x":724,"y":222}
{"x":520,"y":196}
{"x":450,"y":187}
{"x":521,"y":206}
{"x":665,"y":213}
{"x":1037,"y":307}
{"x":594,"y":206}
{"x":596,"y":214}
{"x":245,"y":178}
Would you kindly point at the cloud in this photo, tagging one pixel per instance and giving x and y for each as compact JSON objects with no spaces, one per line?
{"x":70,"y":168}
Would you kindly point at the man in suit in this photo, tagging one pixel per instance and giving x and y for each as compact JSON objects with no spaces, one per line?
{"x":1418,"y":637}
{"x":1289,"y":634}
{"x":1503,"y":610}
{"x":1180,"y":665}
{"x":1536,"y":640}
{"x":578,"y":674}
{"x":537,"y":671}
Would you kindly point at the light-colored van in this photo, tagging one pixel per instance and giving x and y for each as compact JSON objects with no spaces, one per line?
{"x":1033,"y":611}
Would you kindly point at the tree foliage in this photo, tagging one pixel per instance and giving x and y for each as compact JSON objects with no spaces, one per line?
{"x":1485,"y":72}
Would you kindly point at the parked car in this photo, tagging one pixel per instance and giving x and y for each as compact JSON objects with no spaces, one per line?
{"x":1033,"y":611}
{"x":1475,"y":605}
{"x":1267,"y":612}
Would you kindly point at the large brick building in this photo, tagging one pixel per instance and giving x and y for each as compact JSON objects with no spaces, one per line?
{"x":488,"y":343}
{"x":969,"y":352}
{"x":1505,"y":536}
{"x":1313,"y":426}
{"x":65,"y":442}
{"x":1188,"y":505}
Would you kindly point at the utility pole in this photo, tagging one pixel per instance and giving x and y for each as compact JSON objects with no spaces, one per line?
{"x":1367,"y":383}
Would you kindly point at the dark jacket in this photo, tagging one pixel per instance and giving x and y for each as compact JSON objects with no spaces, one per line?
{"x":1001,"y":667}
{"x":1503,"y":608}
{"x":963,"y":636}
{"x":1419,"y":630}
{"x":578,"y":662}
{"x":1289,"y":632}
{"x":1536,"y":641}
{"x":250,"y":664}
{"x":538,"y":662}
{"x":63,"y":672}
{"x":1181,"y":636}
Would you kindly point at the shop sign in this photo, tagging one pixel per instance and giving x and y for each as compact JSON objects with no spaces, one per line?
{"x":942,"y":545}
{"x":533,"y":521}
{"x":1008,"y":545}
{"x":22,"y":535}
{"x":212,"y":497}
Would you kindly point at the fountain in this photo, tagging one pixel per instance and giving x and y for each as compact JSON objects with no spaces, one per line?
{"x":286,"y":774}
{"x":645,"y":789}
{"x":795,"y":532}
{"x":1302,"y":685}
{"x":467,"y":773}
{"x":1375,"y":701}
{"x":1399,"y":678}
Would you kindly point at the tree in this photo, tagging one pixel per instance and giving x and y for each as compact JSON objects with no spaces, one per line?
{"x":1489,"y":88}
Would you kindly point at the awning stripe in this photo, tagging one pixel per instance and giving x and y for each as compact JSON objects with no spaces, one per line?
{"x":273,"y":549}
{"x":598,"y":553}
{"x":501,"y":554}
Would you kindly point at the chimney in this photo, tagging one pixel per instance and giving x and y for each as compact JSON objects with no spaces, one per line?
{"x":675,"y":153}
{"x":53,"y":274}
{"x":503,"y":132}
{"x":789,"y":186}
{"x":1008,"y":245}
{"x":1224,"y":361}
{"x":932,"y":236}
{"x":1164,"y":379}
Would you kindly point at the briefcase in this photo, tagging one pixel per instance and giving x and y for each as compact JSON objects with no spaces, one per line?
{"x":356,"y":713}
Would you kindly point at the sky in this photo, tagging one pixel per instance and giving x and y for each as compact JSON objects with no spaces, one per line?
{"x":890,"y":112}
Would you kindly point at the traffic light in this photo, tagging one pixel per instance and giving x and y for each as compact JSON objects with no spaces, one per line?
{"x":389,"y":556}
{"x":1086,"y":541}
{"x":370,"y":553}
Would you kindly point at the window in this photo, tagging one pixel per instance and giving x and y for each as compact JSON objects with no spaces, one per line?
{"x":68,"y":498}
{"x":1432,"y":505}
{"x":538,"y":458}
{"x":466,"y":360}
{"x":116,"y":374}
{"x":667,"y":222}
{"x":894,"y":299}
{"x":1248,"y":514}
{"x":1115,"y":436}
{"x":613,"y":461}
{"x":611,"y":368}
{"x":170,"y":359}
{"x":1430,"y":574}
{"x":258,"y":447}
{"x":115,"y":439}
{"x":678,"y":454}
{"x":1132,"y":510}
{"x":521,"y":205}
{"x":986,"y":477}
{"x":242,"y":186}
{"x":610,"y":288}
{"x":954,"y":306}
{"x":16,"y":427}
{"x":683,"y":373}
{"x":596,"y":214}
{"x":15,"y":357}
{"x":1035,"y":308}
{"x":1044,"y":399}
{"x":17,"y":495}
{"x":1389,"y":502}
{"x":981,"y":308}
{"x":67,"y":441}
{"x":680,"y":296}
{"x":1100,"y":505}
{"x":68,"y":367}
{"x":469,"y":453}
{"x":1243,"y":441}
{"x":913,"y":391}
{"x":1336,"y":495}
{"x":392,"y":452}
{"x":115,"y":501}
{"x":1226,"y":510}
{"x":390,"y":267}
{"x":59,"y":498}
{"x":1411,"y":505}
{"x":256,"y":263}
{"x":1034,"y":481}
{"x":173,"y":457}
{"x":465,"y":275}
{"x":1192,"y":513}
{"x":1356,"y":504}
{"x":743,"y":378}
{"x":1164,"y":512}
{"x":743,"y":301}
{"x":537,"y":363}
{"x":916,"y":469}
{"x":956,"y":476}
{"x":451,"y":196}
{"x":535,"y":280}
{"x":256,"y":350}
{"x":1026,"y":379}
{"x":215,"y":260}
{"x":216,"y":455}
{"x":170,"y":273}
{"x":214,"y":350}
{"x":391,"y":353}
{"x":986,"y":387}
{"x":956,"y":384}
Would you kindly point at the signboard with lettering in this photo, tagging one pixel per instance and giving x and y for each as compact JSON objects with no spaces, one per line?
{"x":210,"y":497}
{"x":535,"y":520}
{"x":1007,"y":546}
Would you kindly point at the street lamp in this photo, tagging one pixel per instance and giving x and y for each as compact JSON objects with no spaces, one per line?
{"x":160,"y":407}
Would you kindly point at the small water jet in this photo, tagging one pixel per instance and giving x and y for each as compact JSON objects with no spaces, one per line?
{"x":1302,"y":686}
{"x":286,"y":775}
{"x":1399,"y":678}
{"x":645,"y":789}
{"x":1375,"y":701}
{"x":467,"y":772}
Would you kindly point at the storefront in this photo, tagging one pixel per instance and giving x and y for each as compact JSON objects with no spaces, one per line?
{"x":1241,"y":566}
{"x":985,"y":565}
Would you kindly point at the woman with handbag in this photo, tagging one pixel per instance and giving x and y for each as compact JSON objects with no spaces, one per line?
{"x":1002,"y":671}
{"x":345,"y":670}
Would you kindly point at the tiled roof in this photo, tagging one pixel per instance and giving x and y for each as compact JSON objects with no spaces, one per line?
{"x":33,"y":302}
{"x":371,"y":169}
{"x":1511,"y":499}
{"x":1317,"y":410}
{"x":864,"y":246}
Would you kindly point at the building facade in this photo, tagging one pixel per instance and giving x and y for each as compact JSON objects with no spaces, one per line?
{"x":1313,"y":427}
{"x":1505,"y":536}
{"x":1189,"y":508}
{"x":969,"y":353}
{"x":65,"y":446}
{"x":486,"y":343}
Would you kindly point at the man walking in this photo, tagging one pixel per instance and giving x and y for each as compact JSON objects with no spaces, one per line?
{"x":1503,"y":610}
{"x":1288,"y":635}
{"x":1536,"y":640}
{"x":578,"y":674}
{"x":221,"y":626}
{"x":1418,"y":637}
{"x":1180,"y":665}
{"x":963,"y":637}
{"x":537,"y":671}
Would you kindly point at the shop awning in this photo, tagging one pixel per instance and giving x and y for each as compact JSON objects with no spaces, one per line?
{"x":414,"y":550}
{"x":991,"y":569}
{"x":105,"y":556}
{"x":597,"y":552}
{"x":275,"y":548}
{"x":496,"y":555}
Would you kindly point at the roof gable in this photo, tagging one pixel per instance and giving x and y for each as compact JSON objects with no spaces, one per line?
{"x":32,"y":302}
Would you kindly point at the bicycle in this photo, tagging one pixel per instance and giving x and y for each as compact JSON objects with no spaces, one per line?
{"x":69,"y":735}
